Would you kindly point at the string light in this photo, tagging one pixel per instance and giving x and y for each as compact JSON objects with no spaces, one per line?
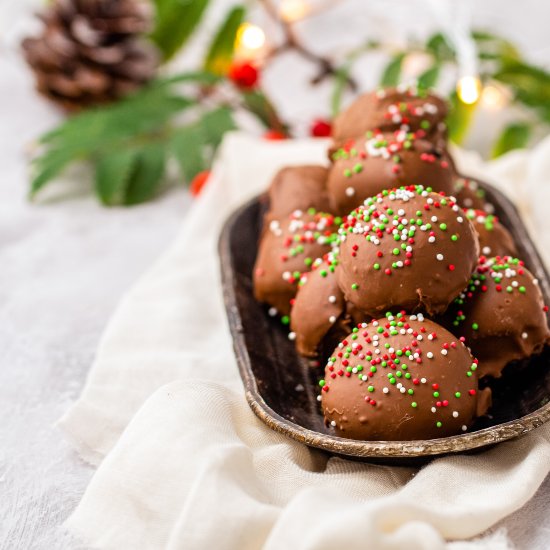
{"x":468,"y":89}
{"x":493,"y":98}
{"x":293,"y":10}
{"x":250,"y":38}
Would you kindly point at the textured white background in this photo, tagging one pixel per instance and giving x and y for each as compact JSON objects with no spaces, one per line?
{"x":65,"y":262}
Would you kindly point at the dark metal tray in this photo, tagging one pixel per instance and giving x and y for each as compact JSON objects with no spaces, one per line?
{"x":282,"y":389}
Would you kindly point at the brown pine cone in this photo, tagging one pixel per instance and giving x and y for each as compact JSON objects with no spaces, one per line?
{"x":92,"y":51}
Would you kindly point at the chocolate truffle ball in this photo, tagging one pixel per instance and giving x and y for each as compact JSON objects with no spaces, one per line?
{"x":401,"y":378}
{"x":470,"y":194}
{"x":406,"y":248}
{"x":494,"y":238}
{"x":298,"y":188}
{"x":392,"y":109}
{"x":501,"y":314}
{"x":378,"y":161}
{"x":320,"y":316}
{"x":289,"y":247}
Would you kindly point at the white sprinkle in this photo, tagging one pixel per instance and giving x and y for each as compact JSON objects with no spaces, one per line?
{"x":460,"y":219}
{"x":429,"y":355}
{"x":292,"y":336}
{"x":423,"y":380}
{"x":444,"y":352}
{"x":524,"y":335}
{"x":434,"y":409}
{"x":332,"y":319}
{"x":440,"y":257}
{"x":486,"y":250}
{"x":455,"y":414}
{"x":464,"y":428}
{"x":364,"y":378}
{"x":332,"y":299}
{"x":350,"y":191}
{"x":333,"y":423}
{"x":433,"y":219}
{"x":272,"y":312}
{"x":386,"y":390}
{"x":299,"y":387}
{"x":402,"y":390}
{"x":431,"y":239}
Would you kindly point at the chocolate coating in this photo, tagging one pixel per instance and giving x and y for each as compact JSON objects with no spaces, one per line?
{"x":320,"y":316}
{"x":501,"y":314}
{"x":288,"y":248}
{"x":406,"y":249}
{"x":401,"y":378}
{"x":366,"y":166}
{"x":390,"y":109}
{"x":298,"y":188}
{"x":470,"y":194}
{"x":494,"y":238}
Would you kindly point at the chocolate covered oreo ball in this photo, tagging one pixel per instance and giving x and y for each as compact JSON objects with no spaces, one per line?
{"x":406,"y":248}
{"x":298,"y":188}
{"x":501,"y":314}
{"x":319,"y":313}
{"x":494,"y":238}
{"x":470,"y":194}
{"x":365,"y":166}
{"x":401,"y":378}
{"x":390,"y":109}
{"x":289,"y":247}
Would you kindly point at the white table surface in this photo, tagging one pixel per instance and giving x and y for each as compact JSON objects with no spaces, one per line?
{"x":64,"y":264}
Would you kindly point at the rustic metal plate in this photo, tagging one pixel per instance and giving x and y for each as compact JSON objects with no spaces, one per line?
{"x":282,"y":389}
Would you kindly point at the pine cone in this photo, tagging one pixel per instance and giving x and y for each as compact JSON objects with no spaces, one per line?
{"x":91,"y":51}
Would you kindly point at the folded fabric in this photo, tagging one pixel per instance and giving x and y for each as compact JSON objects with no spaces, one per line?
{"x":194,"y":468}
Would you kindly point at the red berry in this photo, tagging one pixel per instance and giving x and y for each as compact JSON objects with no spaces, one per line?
{"x":274,"y":135}
{"x":320,"y":128}
{"x":198,"y":182}
{"x":244,"y":74}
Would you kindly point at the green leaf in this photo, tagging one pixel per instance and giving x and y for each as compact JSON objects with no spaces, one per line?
{"x":215,"y":124}
{"x":147,"y":173}
{"x":392,"y":72}
{"x":175,"y":22}
{"x":194,"y":77}
{"x":220,"y":54}
{"x":493,"y":47}
{"x":514,"y":136}
{"x":459,"y":119}
{"x":88,"y":135}
{"x":187,"y":146}
{"x":428,"y":79}
{"x":112,"y":174}
{"x":440,"y":48}
{"x":259,"y":105}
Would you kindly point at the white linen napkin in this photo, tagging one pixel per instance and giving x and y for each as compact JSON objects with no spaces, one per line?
{"x":188,"y":465}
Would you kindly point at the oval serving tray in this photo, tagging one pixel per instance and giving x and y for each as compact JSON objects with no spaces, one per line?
{"x":281,"y":388}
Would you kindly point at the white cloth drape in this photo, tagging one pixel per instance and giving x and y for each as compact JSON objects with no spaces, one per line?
{"x":184,"y":463}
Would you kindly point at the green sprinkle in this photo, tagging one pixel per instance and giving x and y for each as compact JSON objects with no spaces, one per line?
{"x":395,"y":251}
{"x":371,"y":388}
{"x":475,"y":326}
{"x":436,"y":394}
{"x":376,"y":266}
{"x":443,"y":226}
{"x":354,"y":286}
{"x":522,"y":289}
{"x":438,"y":424}
{"x":323,"y":273}
{"x":410,"y":392}
{"x":285,"y":319}
{"x":322,"y":383}
{"x":454,"y":238}
{"x":414,"y":404}
{"x":457,"y":394}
